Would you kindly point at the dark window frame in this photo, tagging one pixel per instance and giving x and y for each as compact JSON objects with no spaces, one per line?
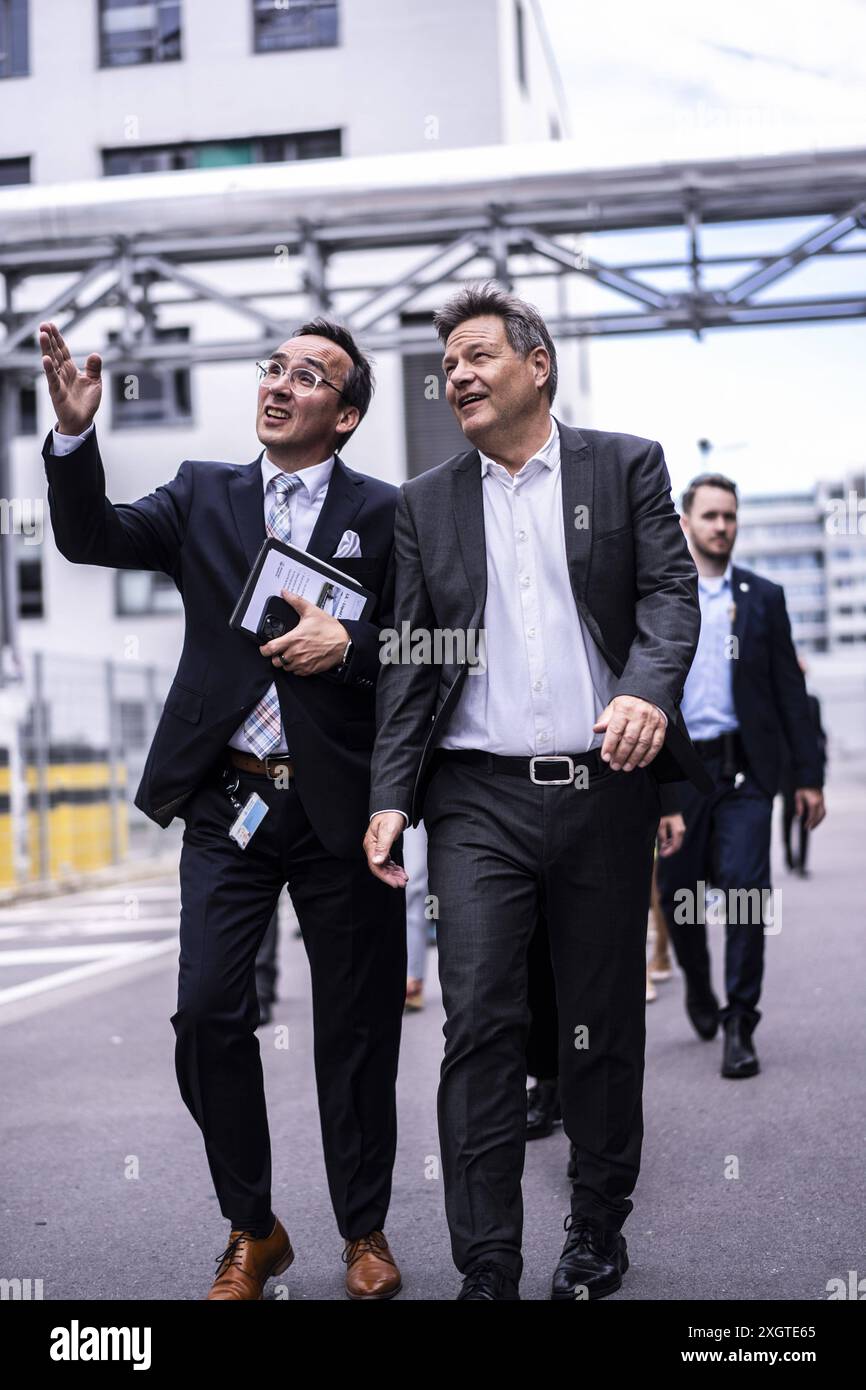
{"x":157,"y":581}
{"x":264,"y":149}
{"x":176,"y":381}
{"x":520,"y":44}
{"x":12,"y":11}
{"x":30,"y":596}
{"x":22,"y":162}
{"x":426,"y":442}
{"x":155,"y":41}
{"x":265,"y":17}
{"x":25,"y":408}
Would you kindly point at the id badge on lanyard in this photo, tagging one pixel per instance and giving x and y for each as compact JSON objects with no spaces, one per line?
{"x":249,"y":815}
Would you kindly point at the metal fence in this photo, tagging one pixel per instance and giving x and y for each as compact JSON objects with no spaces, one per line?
{"x":74,"y":734}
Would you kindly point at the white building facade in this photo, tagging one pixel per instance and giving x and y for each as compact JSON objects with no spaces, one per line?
{"x":104,"y":89}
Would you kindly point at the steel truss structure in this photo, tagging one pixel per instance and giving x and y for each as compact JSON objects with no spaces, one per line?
{"x":376,"y":241}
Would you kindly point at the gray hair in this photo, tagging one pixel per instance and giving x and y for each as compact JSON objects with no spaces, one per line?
{"x":525,"y":329}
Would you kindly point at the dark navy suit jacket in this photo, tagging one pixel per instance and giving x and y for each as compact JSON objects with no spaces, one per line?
{"x":204,"y":529}
{"x":768,"y":686}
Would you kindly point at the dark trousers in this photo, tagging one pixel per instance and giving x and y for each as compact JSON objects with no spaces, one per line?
{"x":726,"y":846}
{"x":266,"y":962}
{"x":501,"y":849}
{"x":354,"y":932}
{"x":542,"y":1044}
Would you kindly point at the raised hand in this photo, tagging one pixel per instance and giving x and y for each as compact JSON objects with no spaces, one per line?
{"x":75,"y":394}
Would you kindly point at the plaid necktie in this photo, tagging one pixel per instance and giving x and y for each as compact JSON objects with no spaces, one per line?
{"x":263,"y":726}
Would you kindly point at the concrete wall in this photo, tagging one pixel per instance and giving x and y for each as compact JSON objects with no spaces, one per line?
{"x":405,"y":76}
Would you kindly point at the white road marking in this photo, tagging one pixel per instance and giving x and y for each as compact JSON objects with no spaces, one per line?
{"x":100,"y":960}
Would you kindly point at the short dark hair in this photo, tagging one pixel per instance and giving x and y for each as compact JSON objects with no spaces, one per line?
{"x":525,"y":329}
{"x":706,"y":480}
{"x":359,"y":384}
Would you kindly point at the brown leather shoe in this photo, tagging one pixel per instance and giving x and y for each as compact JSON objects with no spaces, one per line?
{"x":371,"y":1270}
{"x":247,"y":1262}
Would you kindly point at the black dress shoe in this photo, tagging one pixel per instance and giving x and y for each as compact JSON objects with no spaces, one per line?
{"x":592,"y":1262}
{"x":571,"y":1170}
{"x":542,"y":1109}
{"x":739,"y":1057}
{"x":702,"y":1007}
{"x":489,"y":1281}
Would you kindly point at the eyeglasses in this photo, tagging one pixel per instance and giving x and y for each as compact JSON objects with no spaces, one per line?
{"x":302,"y":380}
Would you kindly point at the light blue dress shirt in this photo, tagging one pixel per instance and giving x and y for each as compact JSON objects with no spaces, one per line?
{"x":708,"y":697}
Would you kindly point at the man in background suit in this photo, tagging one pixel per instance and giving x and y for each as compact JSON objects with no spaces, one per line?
{"x":292,"y":722}
{"x":745,"y":687}
{"x":564,"y":545}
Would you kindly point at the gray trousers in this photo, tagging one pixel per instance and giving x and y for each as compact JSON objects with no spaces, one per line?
{"x":499,"y":849}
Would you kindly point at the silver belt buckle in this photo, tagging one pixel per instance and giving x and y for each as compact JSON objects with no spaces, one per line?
{"x":275,"y":758}
{"x":551,"y":781}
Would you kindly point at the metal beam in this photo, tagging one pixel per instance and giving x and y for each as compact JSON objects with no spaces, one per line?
{"x":463,"y":211}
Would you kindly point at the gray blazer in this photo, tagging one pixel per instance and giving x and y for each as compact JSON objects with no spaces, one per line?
{"x":634,"y":583}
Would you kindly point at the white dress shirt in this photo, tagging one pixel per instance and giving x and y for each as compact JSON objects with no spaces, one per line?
{"x":545,"y":681}
{"x":305,"y":502}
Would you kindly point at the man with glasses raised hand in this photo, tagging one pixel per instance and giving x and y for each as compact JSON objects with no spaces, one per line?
{"x":293,"y":721}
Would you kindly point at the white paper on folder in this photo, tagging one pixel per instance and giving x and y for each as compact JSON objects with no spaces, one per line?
{"x":285,"y":572}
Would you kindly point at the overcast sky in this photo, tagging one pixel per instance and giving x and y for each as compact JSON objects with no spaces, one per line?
{"x":675,"y":79}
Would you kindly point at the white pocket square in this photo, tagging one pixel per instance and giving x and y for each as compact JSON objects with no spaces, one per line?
{"x":350,"y":545}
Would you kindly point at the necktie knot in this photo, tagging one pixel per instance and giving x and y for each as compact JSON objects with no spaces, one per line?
{"x":279,"y":515}
{"x":284,"y":484}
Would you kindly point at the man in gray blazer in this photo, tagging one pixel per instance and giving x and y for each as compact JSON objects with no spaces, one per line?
{"x":534,"y":756}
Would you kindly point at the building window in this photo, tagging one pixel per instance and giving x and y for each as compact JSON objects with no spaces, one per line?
{"x":520,"y":39}
{"x":14,"y":171}
{"x":280,"y":24}
{"x":216,"y":154}
{"x":131,"y":32}
{"x":28,"y":565}
{"x":24,"y":410}
{"x":152,"y":395}
{"x":143,"y":593}
{"x":14,"y":47}
{"x":432,"y":433}
{"x":132,"y":724}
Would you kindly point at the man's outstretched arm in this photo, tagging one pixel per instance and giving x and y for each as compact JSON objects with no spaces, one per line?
{"x":88,"y":529}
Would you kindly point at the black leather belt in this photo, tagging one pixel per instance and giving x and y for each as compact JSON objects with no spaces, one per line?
{"x":718,"y":747}
{"x":551,"y":770}
{"x":728,"y":748}
{"x":274,"y":765}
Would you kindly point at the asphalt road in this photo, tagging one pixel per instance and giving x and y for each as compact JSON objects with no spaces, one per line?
{"x":107,"y":1193}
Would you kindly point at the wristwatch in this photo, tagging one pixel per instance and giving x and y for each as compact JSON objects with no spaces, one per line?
{"x":345,"y":659}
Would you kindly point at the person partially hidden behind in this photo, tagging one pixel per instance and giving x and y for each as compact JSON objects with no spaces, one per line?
{"x":290,"y":723}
